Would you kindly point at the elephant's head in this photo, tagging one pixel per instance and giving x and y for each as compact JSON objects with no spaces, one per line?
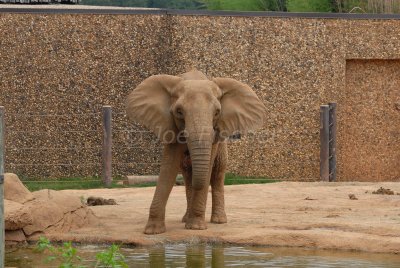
{"x":203,"y":110}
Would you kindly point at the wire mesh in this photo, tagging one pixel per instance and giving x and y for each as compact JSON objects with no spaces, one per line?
{"x":33,"y":151}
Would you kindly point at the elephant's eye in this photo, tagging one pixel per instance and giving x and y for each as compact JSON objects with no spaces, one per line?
{"x":217,"y":112}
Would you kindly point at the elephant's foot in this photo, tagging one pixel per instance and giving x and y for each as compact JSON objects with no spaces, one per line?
{"x":197,"y":223}
{"x":219,"y":218}
{"x":154,"y":227}
{"x":185,"y":217}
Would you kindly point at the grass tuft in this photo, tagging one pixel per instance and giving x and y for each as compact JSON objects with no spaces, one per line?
{"x":96,"y":183}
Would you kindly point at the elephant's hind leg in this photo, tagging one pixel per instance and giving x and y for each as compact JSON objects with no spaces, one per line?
{"x":218,"y":214}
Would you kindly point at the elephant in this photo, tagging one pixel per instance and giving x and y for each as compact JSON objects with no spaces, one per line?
{"x":193,"y":116}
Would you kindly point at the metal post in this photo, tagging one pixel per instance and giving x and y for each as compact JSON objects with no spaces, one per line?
{"x":324,"y":138}
{"x":332,"y":141}
{"x":107,"y":145}
{"x":2,"y":232}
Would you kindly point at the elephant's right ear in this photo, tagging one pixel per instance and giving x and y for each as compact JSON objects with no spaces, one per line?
{"x":149,"y":105}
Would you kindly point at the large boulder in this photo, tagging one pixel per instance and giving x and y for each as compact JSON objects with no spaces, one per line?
{"x":15,"y":190}
{"x":14,"y":237}
{"x":16,"y":215}
{"x":54,"y":210}
{"x":44,"y":211}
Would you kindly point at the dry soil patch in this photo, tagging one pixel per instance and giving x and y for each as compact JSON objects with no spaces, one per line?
{"x":298,"y":214}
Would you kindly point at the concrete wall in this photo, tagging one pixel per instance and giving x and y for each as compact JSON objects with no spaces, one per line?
{"x":75,"y":63}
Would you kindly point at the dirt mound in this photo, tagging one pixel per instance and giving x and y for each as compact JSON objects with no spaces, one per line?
{"x":382,"y":190}
{"x":42,"y":212}
{"x":99,"y":201}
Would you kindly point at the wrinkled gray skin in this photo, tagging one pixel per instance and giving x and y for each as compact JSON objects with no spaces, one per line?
{"x":208,"y":111}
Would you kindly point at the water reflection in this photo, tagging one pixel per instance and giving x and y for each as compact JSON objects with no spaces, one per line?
{"x":196,"y":256}
{"x":216,"y":256}
{"x":157,"y":257}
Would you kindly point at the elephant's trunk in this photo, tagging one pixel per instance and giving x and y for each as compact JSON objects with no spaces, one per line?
{"x":200,"y":145}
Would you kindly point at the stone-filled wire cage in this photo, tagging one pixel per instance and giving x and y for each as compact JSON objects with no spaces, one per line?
{"x":70,"y":145}
{"x":40,"y":1}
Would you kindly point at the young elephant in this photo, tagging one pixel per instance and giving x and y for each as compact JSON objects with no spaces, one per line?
{"x":193,"y":116}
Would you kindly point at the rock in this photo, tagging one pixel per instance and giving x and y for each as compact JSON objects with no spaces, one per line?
{"x":15,"y":190}
{"x":133,"y":180}
{"x":66,"y":202}
{"x":54,"y":211}
{"x":44,"y":214}
{"x":15,"y":236}
{"x":179,"y":183}
{"x":72,"y":220}
{"x":16,"y":215}
{"x":352,"y":197}
{"x":382,"y":190}
{"x":99,"y":201}
{"x":309,"y":198}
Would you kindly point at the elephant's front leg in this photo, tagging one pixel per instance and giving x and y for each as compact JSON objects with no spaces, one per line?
{"x":218,"y":214}
{"x":170,"y":162}
{"x":217,"y":185}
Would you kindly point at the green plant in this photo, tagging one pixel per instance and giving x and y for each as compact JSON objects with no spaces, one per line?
{"x":309,"y":5}
{"x":67,"y":255}
{"x":111,"y":258}
{"x":233,"y":179}
{"x":83,"y":200}
{"x":42,"y":244}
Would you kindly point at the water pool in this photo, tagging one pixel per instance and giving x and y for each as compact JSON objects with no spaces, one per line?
{"x":183,"y":255}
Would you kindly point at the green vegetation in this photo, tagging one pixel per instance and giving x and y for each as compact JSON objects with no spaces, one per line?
{"x":68,"y":183}
{"x":121,"y":3}
{"x":67,"y":255}
{"x":249,"y":5}
{"x":309,"y":5}
{"x":174,"y":4}
{"x":111,"y":258}
{"x":233,"y":5}
{"x":345,"y":6}
{"x":95,"y":183}
{"x":232,"y":179}
{"x":177,"y":4}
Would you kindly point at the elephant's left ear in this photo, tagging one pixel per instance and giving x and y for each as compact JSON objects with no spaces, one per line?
{"x":241,"y":109}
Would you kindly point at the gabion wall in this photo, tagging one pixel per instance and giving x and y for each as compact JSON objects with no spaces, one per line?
{"x":69,"y":65}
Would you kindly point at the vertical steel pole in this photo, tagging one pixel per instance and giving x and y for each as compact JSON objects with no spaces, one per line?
{"x":107,"y":145}
{"x":324,"y":138}
{"x":2,"y":232}
{"x":332,"y":141}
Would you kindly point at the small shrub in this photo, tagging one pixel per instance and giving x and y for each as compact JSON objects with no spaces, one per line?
{"x":67,"y":255}
{"x":111,"y":258}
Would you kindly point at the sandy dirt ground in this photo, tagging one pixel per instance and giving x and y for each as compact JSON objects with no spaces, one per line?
{"x":294,"y":214}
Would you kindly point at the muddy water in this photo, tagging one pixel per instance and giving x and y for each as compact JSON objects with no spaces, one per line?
{"x":182,"y":255}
